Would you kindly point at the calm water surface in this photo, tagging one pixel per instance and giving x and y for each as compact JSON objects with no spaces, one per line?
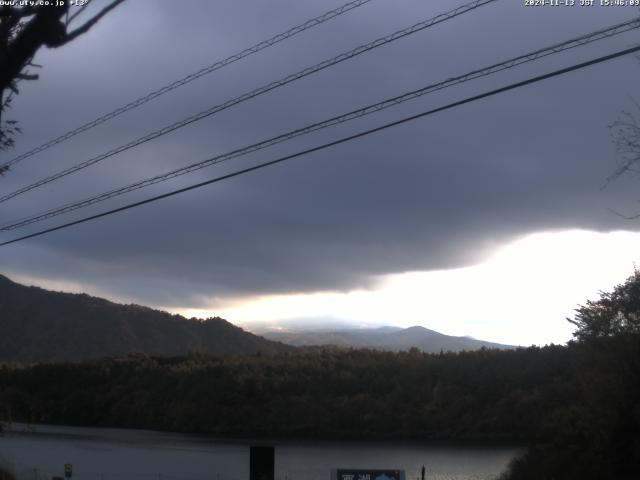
{"x":114,"y":454}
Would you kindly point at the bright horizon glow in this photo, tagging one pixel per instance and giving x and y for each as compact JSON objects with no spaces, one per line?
{"x":520,"y":295}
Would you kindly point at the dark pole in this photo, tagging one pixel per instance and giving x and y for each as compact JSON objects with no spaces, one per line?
{"x":261,"y":462}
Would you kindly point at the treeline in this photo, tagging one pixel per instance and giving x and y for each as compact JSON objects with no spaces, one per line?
{"x":595,"y":433}
{"x":578,"y":405}
{"x":356,"y":394}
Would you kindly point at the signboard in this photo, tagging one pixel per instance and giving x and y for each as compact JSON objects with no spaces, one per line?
{"x":366,"y":474}
{"x":68,"y":470}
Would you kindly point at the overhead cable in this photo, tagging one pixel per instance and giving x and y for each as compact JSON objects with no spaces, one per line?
{"x":474,"y":98}
{"x":254,"y":93}
{"x":513,"y":62}
{"x":191,"y":77}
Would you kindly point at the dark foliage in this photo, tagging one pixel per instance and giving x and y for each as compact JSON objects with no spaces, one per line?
{"x":358,"y":394}
{"x":614,"y":313}
{"x":578,"y":405}
{"x":8,"y":128}
{"x":40,"y":325}
{"x":24,"y":29}
{"x":596,"y":434}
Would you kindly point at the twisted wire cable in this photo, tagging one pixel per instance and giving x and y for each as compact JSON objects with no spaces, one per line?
{"x":254,"y":93}
{"x":191,"y":77}
{"x":483,"y":72}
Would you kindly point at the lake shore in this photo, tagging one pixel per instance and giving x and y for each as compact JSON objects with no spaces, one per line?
{"x":114,"y":454}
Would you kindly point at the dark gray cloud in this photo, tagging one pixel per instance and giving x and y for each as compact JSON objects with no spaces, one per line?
{"x":437,"y":193}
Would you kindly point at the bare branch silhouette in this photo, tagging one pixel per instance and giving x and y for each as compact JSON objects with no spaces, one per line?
{"x":23,"y":31}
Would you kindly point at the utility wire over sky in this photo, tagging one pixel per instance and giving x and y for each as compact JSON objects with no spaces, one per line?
{"x":191,"y":77}
{"x":254,"y":93}
{"x":467,"y":100}
{"x":492,"y":69}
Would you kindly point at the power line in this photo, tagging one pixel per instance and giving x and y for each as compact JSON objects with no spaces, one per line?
{"x":191,"y":77}
{"x":254,"y":93}
{"x":529,"y":57}
{"x":474,"y":98}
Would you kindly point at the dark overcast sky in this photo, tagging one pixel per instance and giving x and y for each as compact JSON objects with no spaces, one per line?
{"x":439,"y":192}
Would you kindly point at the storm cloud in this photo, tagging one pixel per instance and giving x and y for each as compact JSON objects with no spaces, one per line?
{"x":437,"y":193}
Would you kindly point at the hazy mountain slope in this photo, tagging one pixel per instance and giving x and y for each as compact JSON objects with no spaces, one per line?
{"x":384,"y":338}
{"x":40,"y":325}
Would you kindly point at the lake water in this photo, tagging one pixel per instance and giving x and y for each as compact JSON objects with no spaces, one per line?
{"x":115,"y":454}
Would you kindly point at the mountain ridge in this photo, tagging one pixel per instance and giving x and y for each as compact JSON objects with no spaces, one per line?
{"x":383,"y":338}
{"x":38,"y":325}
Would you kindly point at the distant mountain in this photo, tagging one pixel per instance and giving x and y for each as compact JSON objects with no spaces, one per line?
{"x":384,"y":338}
{"x":40,"y":325}
{"x":326,"y":323}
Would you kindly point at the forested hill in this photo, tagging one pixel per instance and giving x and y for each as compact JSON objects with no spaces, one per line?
{"x":330,"y":393}
{"x":38,"y":325}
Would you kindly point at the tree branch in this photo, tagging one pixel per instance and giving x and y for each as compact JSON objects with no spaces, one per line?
{"x":78,"y":12}
{"x":23,"y":31}
{"x":25,"y":11}
{"x":90,"y":23}
{"x":27,"y":76}
{"x":626,"y":217}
